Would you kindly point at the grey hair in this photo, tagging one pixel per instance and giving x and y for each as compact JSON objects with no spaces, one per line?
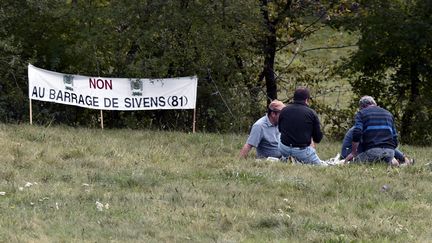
{"x":366,"y":101}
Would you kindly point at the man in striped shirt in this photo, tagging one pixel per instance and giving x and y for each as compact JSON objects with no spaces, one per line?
{"x":374,"y":126}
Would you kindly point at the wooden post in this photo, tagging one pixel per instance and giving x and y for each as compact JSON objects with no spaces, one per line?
{"x":31,"y":112}
{"x":194,"y":121}
{"x":101,"y":119}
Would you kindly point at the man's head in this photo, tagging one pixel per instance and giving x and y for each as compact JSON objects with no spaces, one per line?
{"x":301,"y":94}
{"x":274,"y":109}
{"x":366,"y":101}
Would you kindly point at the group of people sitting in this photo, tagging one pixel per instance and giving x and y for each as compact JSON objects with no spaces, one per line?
{"x":291,"y":131}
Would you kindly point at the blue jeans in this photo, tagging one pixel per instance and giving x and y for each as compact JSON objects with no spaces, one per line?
{"x":306,"y":155}
{"x":376,"y":155}
{"x":347,"y":147}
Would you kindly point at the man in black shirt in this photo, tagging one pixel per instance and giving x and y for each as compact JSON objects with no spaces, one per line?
{"x":299,"y":126}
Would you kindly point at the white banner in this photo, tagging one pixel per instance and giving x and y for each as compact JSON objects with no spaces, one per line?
{"x":112,"y":93}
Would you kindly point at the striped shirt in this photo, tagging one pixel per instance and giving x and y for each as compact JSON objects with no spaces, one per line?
{"x":374,"y":126}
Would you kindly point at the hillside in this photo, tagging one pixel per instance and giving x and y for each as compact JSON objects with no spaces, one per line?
{"x":67,"y":184}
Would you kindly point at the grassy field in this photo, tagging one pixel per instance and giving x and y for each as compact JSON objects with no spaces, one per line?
{"x":63,"y":184}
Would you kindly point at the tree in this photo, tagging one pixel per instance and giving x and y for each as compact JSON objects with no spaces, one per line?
{"x":285,"y":23}
{"x":25,"y":35}
{"x":130,"y":39}
{"x":394,"y":61}
{"x":232,"y":46}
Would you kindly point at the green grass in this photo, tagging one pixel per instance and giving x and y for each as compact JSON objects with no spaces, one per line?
{"x":177,"y":187}
{"x":336,"y":90}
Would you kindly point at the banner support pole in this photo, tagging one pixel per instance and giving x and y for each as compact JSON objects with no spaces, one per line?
{"x":101,"y":119}
{"x":31,"y":111}
{"x":194,"y":120}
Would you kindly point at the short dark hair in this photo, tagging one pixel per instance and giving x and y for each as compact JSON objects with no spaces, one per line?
{"x":301,"y":93}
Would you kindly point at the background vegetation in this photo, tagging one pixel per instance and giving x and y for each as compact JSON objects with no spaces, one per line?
{"x":244,"y":52}
{"x":76,"y":183}
{"x":176,"y":187}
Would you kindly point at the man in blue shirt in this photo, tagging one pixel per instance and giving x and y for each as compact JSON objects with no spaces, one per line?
{"x":401,"y":158}
{"x":264,"y":135}
{"x":374,"y":127}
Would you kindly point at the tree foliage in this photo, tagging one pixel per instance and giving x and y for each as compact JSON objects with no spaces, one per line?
{"x":134,"y":38}
{"x":394,"y":62}
{"x":230,"y":45}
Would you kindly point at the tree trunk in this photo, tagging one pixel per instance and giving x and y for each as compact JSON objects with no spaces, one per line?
{"x":269,"y":60}
{"x":269,"y":53}
{"x":283,"y":10}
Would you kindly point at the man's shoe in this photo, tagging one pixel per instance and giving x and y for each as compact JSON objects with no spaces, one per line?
{"x":408,"y":162}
